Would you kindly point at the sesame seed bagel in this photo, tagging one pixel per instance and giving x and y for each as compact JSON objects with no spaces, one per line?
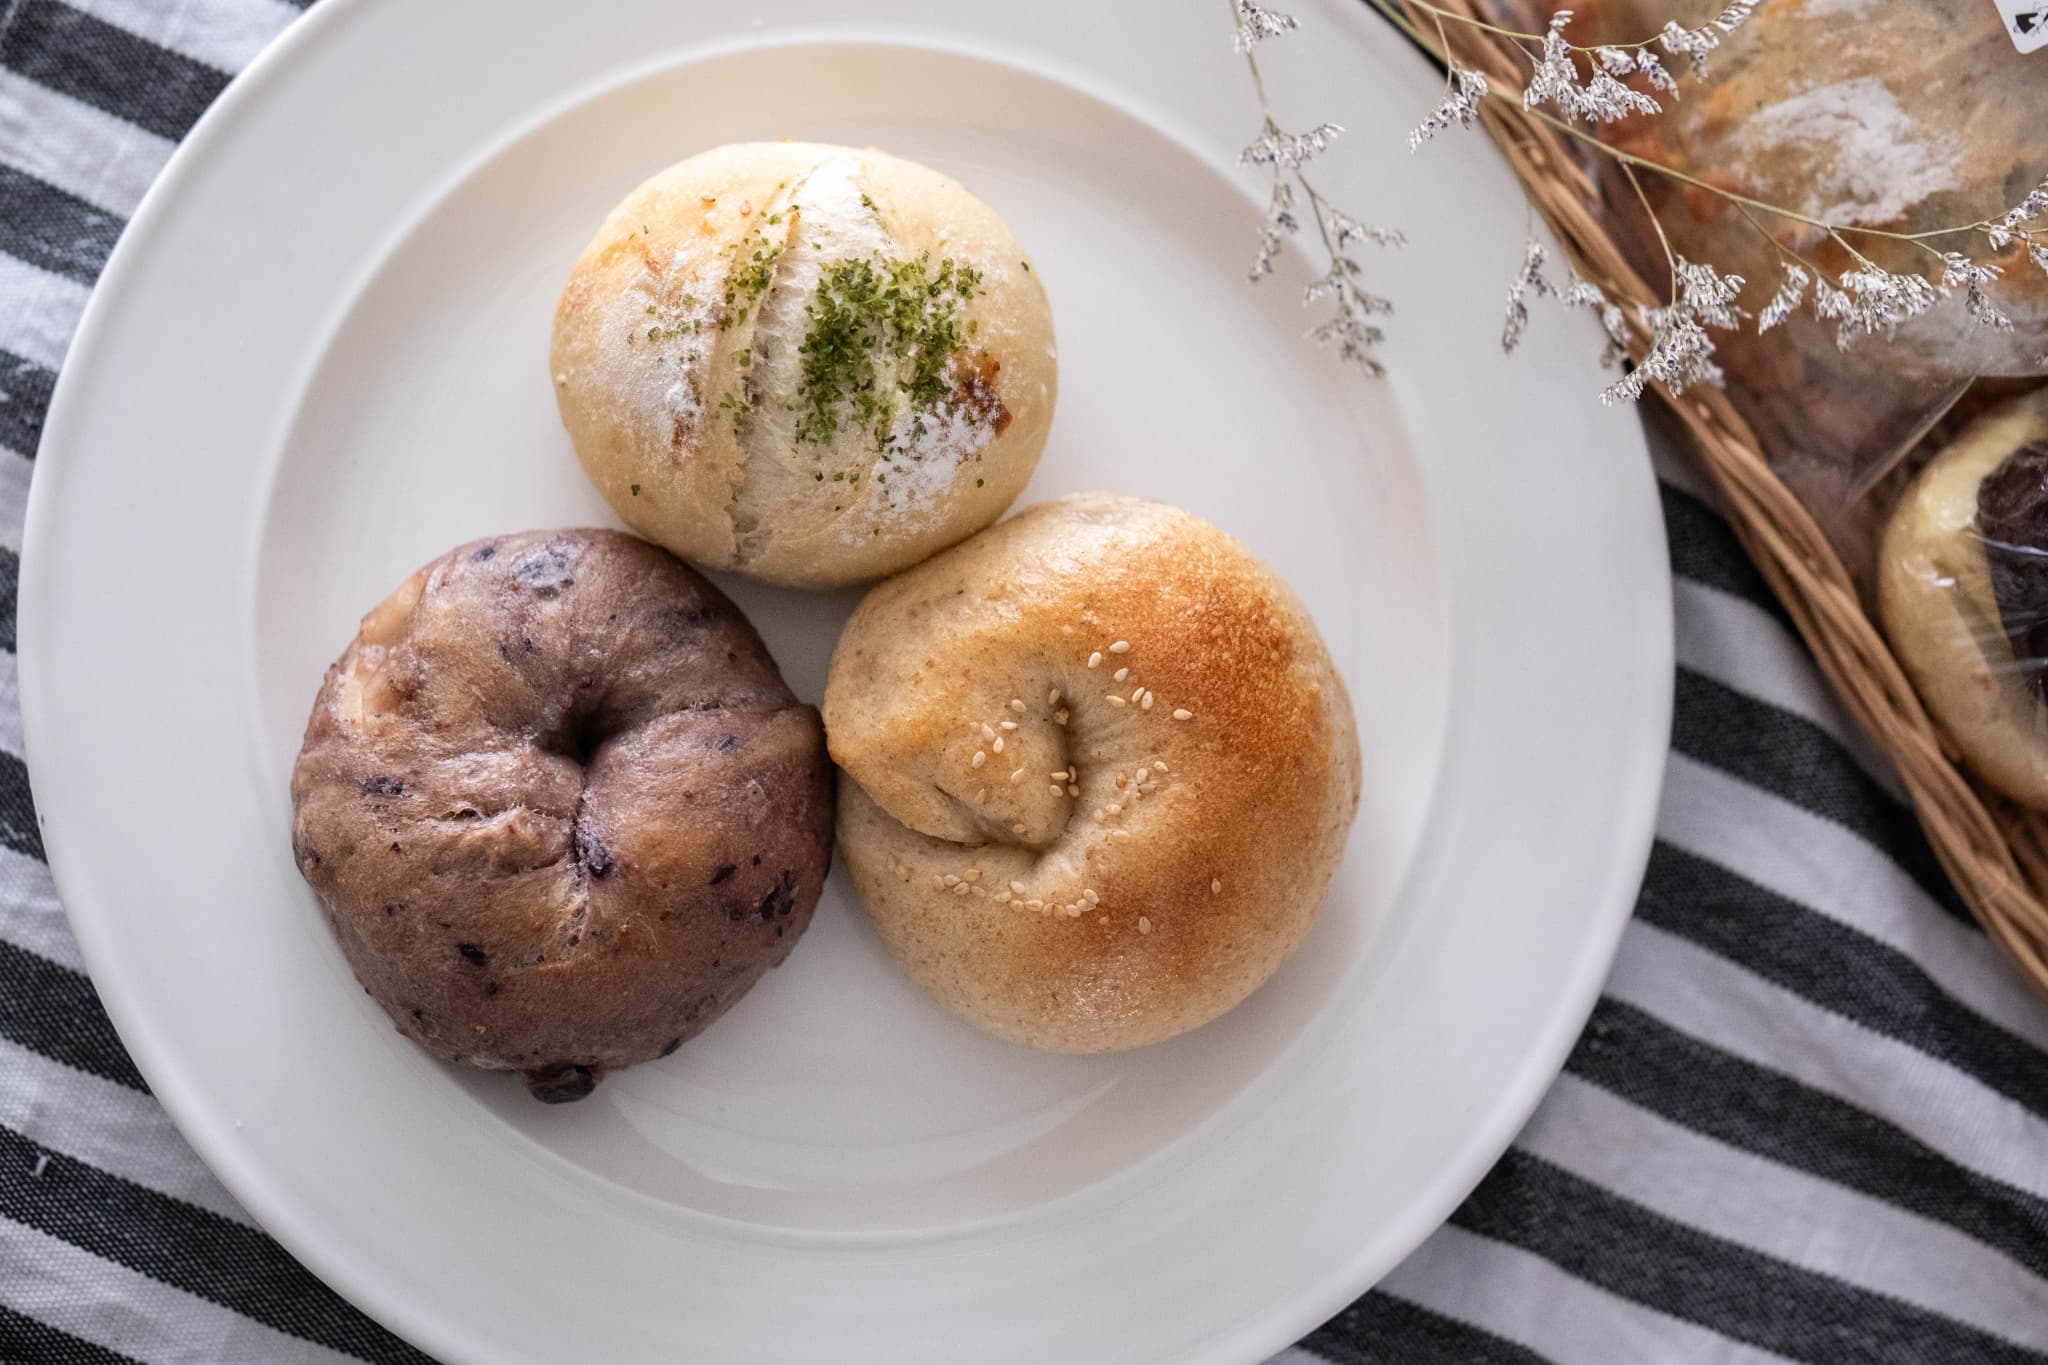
{"x":1098,"y":772}
{"x":559,"y":806}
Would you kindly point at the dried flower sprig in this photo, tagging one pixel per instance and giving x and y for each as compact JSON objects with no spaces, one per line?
{"x":1599,"y":97}
{"x":1863,"y":300}
{"x":1528,"y":280}
{"x":1791,"y":292}
{"x":1256,"y":23}
{"x":1463,"y":92}
{"x":2026,"y":223}
{"x":1681,"y":353}
{"x":1618,"y":59}
{"x":1696,"y":43}
{"x":1346,"y":329}
{"x":1585,"y":294}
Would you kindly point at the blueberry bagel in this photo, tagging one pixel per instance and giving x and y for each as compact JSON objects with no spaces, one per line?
{"x":559,"y":806}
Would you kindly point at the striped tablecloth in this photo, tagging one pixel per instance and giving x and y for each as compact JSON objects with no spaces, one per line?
{"x":1808,"y":1121}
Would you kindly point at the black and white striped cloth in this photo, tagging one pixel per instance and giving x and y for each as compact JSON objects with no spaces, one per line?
{"x":1809,"y":1120}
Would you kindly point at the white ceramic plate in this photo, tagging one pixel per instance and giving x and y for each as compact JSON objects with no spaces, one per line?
{"x":318,"y":359}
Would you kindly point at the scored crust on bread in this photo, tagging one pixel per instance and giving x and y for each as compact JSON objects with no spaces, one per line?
{"x":1099,"y":770}
{"x":805,"y":363}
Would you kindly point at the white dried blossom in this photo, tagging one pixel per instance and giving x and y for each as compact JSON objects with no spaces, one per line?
{"x":1460,"y":105}
{"x":1585,"y":294}
{"x":1605,"y":99}
{"x":1330,"y":284}
{"x":1269,"y":251}
{"x":1736,"y":15}
{"x":1636,"y":61}
{"x":1256,"y":23}
{"x":2013,"y":225}
{"x":1791,"y":290}
{"x":2039,"y":255}
{"x":1341,"y":282}
{"x":1344,"y":229}
{"x":1528,"y":280}
{"x":1679,"y":41}
{"x":1280,"y":208}
{"x":1708,"y":295}
{"x":1876,"y":300}
{"x":2034,"y":206}
{"x":1351,"y":337}
{"x":1599,"y":99}
{"x":1284,"y":154}
{"x":1517,"y":323}
{"x":1960,"y":272}
{"x":1696,"y":43}
{"x":1830,"y":303}
{"x":1985,"y":311}
{"x":1288,"y":151}
{"x":1651,"y":69}
{"x":1681,"y":354}
{"x":1279,"y":218}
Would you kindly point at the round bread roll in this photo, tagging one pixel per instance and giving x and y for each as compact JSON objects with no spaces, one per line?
{"x":559,"y":806}
{"x":807,"y":364}
{"x":1963,"y":589}
{"x":1098,"y":772}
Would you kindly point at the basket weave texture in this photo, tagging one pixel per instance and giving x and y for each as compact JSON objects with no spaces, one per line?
{"x":1995,"y":852}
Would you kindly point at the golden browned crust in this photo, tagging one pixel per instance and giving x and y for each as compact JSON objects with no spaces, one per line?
{"x":559,"y":806}
{"x":1188,"y":846}
{"x":677,"y":364}
{"x":1935,"y":595}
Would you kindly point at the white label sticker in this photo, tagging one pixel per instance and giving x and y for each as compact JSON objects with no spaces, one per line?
{"x":2027,"y":22}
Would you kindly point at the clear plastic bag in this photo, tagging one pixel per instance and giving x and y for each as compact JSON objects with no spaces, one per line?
{"x":1903,"y":116}
{"x":1962,"y":585}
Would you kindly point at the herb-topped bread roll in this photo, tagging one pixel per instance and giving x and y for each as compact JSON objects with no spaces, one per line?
{"x":1099,"y":770}
{"x":804,"y":363}
{"x":1963,"y":586}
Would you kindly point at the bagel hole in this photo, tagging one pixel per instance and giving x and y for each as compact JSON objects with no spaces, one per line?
{"x":578,"y":737}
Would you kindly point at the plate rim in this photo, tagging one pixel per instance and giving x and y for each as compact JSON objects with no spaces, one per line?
{"x":1284,"y":1322}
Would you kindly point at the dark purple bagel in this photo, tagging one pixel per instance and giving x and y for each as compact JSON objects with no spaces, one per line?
{"x":560,"y":807}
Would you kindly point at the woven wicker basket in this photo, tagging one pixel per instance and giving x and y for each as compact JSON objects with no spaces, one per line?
{"x":1995,"y":852}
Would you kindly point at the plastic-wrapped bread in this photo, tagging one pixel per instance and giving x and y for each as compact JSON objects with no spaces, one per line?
{"x":1905,"y":115}
{"x":1900,"y":115}
{"x":1963,"y":587}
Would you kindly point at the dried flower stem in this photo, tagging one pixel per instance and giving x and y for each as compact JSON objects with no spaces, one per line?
{"x":1442,"y":53}
{"x":1670,"y":256}
{"x":1771,"y":237}
{"x":1595,"y":85}
{"x":1473,"y":21}
{"x":1347,"y":329}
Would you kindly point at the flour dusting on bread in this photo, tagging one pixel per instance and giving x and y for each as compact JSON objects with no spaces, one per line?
{"x":806,"y":363}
